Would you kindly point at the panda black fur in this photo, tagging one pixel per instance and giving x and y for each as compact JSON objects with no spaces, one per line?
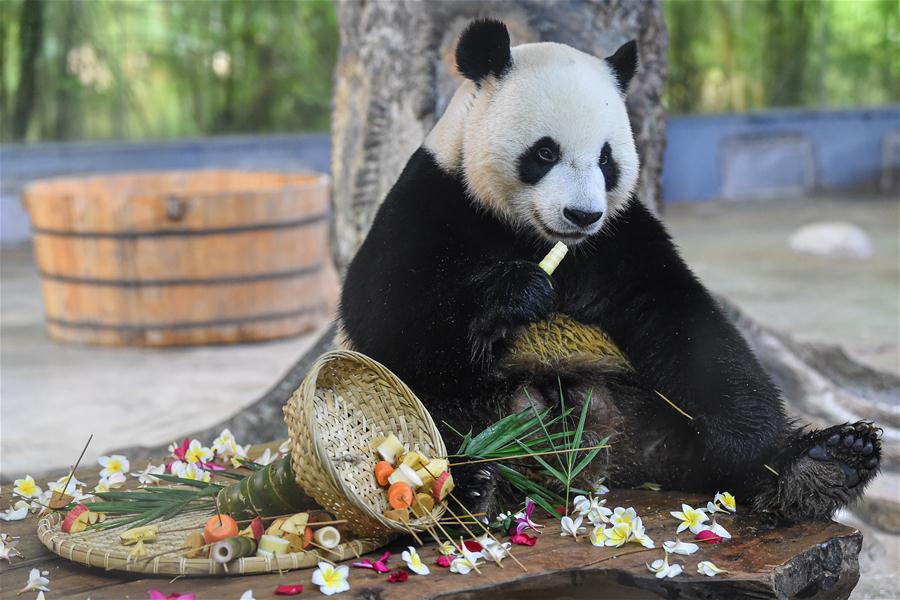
{"x":534,"y":148}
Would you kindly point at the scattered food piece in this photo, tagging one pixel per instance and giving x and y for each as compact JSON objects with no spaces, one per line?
{"x":138,"y":550}
{"x":400,"y":495}
{"x":146,"y":533}
{"x":328,"y":537}
{"x":273,"y":544}
{"x":218,"y":528}
{"x":194,"y":541}
{"x":383,"y":470}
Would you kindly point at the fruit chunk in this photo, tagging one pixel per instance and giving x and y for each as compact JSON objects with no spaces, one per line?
{"x":422,"y":504}
{"x":401,"y":515}
{"x":194,"y":541}
{"x":254,"y":530}
{"x":429,"y":471}
{"x":390,"y":448}
{"x":400,"y":495}
{"x":147,"y":533}
{"x":413,"y":459}
{"x":443,"y":485}
{"x":218,"y":528}
{"x":138,"y":550}
{"x":383,"y":470}
{"x":295,"y":523}
{"x":275,"y":527}
{"x":405,"y":473}
{"x":72,"y":518}
{"x":274,"y":544}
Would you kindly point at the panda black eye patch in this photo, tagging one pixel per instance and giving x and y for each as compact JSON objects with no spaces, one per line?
{"x":537,"y":160}
{"x":609,"y":167}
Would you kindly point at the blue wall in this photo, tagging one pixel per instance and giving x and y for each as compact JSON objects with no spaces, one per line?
{"x":846,"y":144}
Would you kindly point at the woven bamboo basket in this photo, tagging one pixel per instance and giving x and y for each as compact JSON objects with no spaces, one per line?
{"x":102,"y":549}
{"x":345,"y":403}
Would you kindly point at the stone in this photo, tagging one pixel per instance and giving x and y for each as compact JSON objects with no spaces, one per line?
{"x":833,"y":239}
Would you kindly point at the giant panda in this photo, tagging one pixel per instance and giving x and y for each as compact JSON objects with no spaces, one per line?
{"x":536,"y":147}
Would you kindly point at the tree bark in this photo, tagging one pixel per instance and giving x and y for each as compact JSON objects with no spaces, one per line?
{"x":396,"y":74}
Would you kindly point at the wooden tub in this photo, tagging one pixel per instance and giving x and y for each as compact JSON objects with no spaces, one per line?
{"x":173,"y":258}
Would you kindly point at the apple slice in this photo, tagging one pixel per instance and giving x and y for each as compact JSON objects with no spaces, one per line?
{"x":443,"y":485}
{"x":72,"y":518}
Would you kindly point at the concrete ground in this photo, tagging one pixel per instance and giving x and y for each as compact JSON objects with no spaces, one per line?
{"x":53,"y":396}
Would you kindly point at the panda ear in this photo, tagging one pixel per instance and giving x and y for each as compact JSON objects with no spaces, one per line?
{"x":624,"y":63}
{"x":483,"y":50}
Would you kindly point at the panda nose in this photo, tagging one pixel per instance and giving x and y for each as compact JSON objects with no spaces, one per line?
{"x":582,"y":218}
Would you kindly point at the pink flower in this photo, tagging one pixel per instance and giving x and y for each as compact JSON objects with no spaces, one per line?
{"x":444,"y":561}
{"x":708,"y":537}
{"x":523,"y":520}
{"x":523,"y":539}
{"x":379,"y":565}
{"x":155,"y":594}
{"x":288,"y":590}
{"x":398,"y":576}
{"x":180,"y":450}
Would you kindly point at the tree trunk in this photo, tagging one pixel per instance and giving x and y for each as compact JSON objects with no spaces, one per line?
{"x":396,"y":74}
{"x":31,"y":36}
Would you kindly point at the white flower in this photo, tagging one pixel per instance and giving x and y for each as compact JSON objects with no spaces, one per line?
{"x":714,"y":508}
{"x":108,"y":483}
{"x":639,"y":535}
{"x":691,"y":518}
{"x":593,"y":509}
{"x":266,"y":458}
{"x":285,"y":447}
{"x":197,"y":453}
{"x":617,"y":535}
{"x":248,"y":595}
{"x":447,"y":549}
{"x":146,"y":477}
{"x":462,"y":566}
{"x":414,"y":563}
{"x":113,"y":464}
{"x":726,"y":500}
{"x":238,"y":455}
{"x":623,"y":515}
{"x":57,"y":486}
{"x":26,"y":488}
{"x":17,"y":512}
{"x":679,"y":547}
{"x":663,"y":569}
{"x":598,"y":538}
{"x":570,"y":527}
{"x":719,"y":530}
{"x":192,"y":471}
{"x":8,"y":549}
{"x":37,"y":581}
{"x":331,"y":579}
{"x":601,"y":489}
{"x":493,"y":549}
{"x":709,"y":569}
{"x":222,"y":444}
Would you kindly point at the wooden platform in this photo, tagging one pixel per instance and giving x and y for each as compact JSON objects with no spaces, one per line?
{"x":807,"y":560}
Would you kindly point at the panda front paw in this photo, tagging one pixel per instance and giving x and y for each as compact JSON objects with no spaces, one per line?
{"x":513,"y":294}
{"x":476,"y":487}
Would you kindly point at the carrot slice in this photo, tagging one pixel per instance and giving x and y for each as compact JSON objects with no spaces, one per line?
{"x":217,"y":530}
{"x":400,"y":495}
{"x":383,"y":470}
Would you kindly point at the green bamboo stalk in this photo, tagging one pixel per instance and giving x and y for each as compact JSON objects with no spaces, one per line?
{"x":232,"y":549}
{"x":270,"y":491}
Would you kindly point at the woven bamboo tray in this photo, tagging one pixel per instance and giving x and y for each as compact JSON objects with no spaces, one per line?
{"x":102,"y":549}
{"x":344,"y":404}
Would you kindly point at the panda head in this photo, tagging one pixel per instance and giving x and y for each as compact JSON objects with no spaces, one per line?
{"x":539,"y":132}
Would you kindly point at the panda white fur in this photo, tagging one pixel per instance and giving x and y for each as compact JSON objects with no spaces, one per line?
{"x":536,"y":147}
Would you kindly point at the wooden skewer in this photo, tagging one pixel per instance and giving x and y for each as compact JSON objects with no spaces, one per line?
{"x":487,"y":531}
{"x":518,"y":456}
{"x":413,"y":533}
{"x":244,"y":521}
{"x":460,"y":547}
